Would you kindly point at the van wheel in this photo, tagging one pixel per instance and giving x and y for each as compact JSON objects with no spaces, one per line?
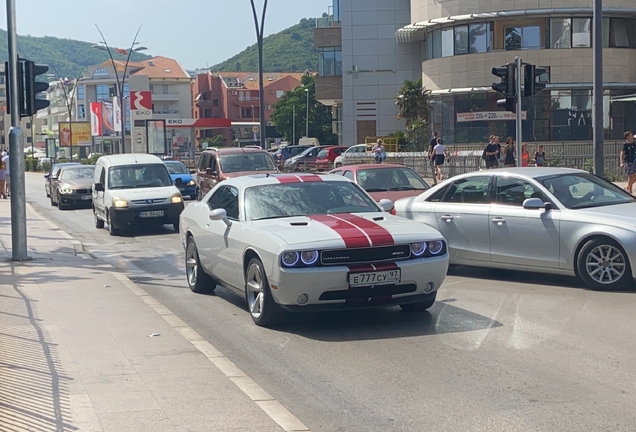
{"x":99,"y":223}
{"x":112,"y":230}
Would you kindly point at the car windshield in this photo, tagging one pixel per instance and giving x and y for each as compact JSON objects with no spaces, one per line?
{"x":177,"y":168}
{"x":248,"y":161}
{"x":78,"y":173}
{"x":304,"y":199}
{"x":580,"y":191}
{"x":57,"y":167}
{"x":390,"y":179}
{"x":138,"y":176}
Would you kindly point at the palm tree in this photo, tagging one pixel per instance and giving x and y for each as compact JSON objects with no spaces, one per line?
{"x":413,"y":101}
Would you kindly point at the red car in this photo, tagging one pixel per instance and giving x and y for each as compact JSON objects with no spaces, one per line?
{"x":384,"y":181}
{"x":327,"y":156}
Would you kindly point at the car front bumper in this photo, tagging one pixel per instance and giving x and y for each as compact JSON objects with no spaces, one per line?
{"x":123,"y":218}
{"x":76,"y":199}
{"x":188,"y":190}
{"x":327,"y":288}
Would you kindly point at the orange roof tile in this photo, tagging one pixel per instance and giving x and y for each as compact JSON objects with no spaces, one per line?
{"x":250,"y":79}
{"x":156,"y":67}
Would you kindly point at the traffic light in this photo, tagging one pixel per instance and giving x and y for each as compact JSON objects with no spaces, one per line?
{"x":531,"y":86}
{"x":7,"y":80}
{"x":509,"y":104}
{"x":508,"y":84}
{"x":32,"y":87}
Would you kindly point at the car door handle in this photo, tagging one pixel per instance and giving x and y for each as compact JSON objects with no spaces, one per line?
{"x":499,"y":220}
{"x":448,"y":218}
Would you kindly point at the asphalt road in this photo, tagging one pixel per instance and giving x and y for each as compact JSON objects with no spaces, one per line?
{"x":499,"y":351}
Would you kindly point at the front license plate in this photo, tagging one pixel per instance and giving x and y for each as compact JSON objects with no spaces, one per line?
{"x":151,"y":214}
{"x":87,"y":197}
{"x":387,"y":277}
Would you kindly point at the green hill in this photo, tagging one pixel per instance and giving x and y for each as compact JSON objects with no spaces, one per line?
{"x":291,"y":50}
{"x":67,"y":55}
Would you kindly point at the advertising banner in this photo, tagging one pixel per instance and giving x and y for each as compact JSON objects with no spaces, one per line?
{"x":108,"y":126}
{"x":96,"y":119}
{"x":81,"y":134}
{"x":116,"y":115}
{"x":489,"y":116}
{"x":156,"y":132}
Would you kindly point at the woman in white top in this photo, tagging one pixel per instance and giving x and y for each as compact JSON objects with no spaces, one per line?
{"x":439,"y":152}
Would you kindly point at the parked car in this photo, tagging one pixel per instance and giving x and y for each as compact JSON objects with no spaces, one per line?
{"x":134,"y":189}
{"x":305,"y":160}
{"x":384,"y":181}
{"x":54,"y":170}
{"x":284,"y":153}
{"x":71,"y":186}
{"x":307,"y":242}
{"x":182,"y":178}
{"x":327,"y":156}
{"x":353,"y":151}
{"x":548,"y":220}
{"x":218,"y":165}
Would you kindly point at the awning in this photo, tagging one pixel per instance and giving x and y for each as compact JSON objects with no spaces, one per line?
{"x":628,"y":98}
{"x":417,"y":32}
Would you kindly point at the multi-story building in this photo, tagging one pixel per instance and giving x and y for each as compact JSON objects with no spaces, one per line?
{"x":362,"y":66}
{"x":235,"y":96}
{"x":462,"y":40}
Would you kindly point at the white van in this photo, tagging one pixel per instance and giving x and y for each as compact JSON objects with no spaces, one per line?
{"x":134,"y":189}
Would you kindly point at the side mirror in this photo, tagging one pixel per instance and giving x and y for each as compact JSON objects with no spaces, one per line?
{"x":210,"y":171}
{"x":536,"y":204}
{"x":54,"y":177}
{"x":178,"y":182}
{"x":220,"y":215}
{"x":193,"y":171}
{"x":47,"y":176}
{"x":386,"y":205}
{"x":99,"y":187}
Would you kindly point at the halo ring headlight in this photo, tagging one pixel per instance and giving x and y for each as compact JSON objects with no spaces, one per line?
{"x":418,"y":248}
{"x":290,"y":259}
{"x":309,"y":257}
{"x":435,"y":247}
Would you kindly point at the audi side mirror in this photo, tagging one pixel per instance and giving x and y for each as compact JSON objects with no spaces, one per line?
{"x":536,"y":204}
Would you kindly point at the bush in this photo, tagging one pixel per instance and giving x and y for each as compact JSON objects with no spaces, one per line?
{"x":45,"y":166}
{"x":31,"y":164}
{"x":93,"y":159}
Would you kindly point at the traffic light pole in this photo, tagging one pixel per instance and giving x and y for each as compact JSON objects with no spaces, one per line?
{"x":519,"y":118}
{"x":16,"y":147}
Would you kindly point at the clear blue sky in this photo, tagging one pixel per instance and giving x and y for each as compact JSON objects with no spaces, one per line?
{"x":195,"y":32}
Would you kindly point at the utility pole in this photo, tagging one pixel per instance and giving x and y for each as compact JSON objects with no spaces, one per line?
{"x":307,"y":118}
{"x":597,"y":91}
{"x":16,"y":146}
{"x":519,"y":117}
{"x":293,"y":124}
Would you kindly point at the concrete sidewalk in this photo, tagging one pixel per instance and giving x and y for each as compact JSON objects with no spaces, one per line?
{"x":82,"y":348}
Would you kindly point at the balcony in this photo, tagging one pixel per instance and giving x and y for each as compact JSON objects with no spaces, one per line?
{"x":329,"y":90}
{"x":166,"y":97}
{"x":249,"y":98}
{"x":328,"y":37}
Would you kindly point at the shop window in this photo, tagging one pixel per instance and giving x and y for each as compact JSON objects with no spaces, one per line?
{"x":447,"y":42}
{"x":479,"y":37}
{"x":461,"y":40}
{"x":526,"y":37}
{"x":581,"y":32}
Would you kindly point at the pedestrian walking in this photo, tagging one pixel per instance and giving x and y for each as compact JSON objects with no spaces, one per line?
{"x":510,"y":153}
{"x":539,"y":156}
{"x":525,"y":155}
{"x":499,"y":158}
{"x":379,"y":154}
{"x":7,"y":173}
{"x":431,"y":156}
{"x":440,"y":155}
{"x":490,"y":154}
{"x":628,"y":160}
{"x":3,"y":169}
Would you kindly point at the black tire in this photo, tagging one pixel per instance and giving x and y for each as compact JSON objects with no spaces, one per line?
{"x":199,"y":195}
{"x":193,"y":197}
{"x":111,"y":229}
{"x":176,"y":226}
{"x":419,"y":306}
{"x":198,"y":280}
{"x":60,"y":205}
{"x":602,"y":264}
{"x":53,"y":203}
{"x":262,"y":307}
{"x":99,"y":223}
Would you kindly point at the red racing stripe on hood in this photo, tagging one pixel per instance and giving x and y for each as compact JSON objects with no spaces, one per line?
{"x":292,"y":178}
{"x":352,"y":236}
{"x":377,"y":234}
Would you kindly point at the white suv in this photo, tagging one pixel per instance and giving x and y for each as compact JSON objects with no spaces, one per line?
{"x":353,"y":151}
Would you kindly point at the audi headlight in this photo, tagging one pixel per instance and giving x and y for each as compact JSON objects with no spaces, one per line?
{"x":309,"y":257}
{"x":289,"y":259}
{"x":66,"y":191}
{"x":418,"y":248}
{"x":436,"y":247}
{"x":176,"y":199}
{"x":192,"y":183}
{"x":120,"y":202}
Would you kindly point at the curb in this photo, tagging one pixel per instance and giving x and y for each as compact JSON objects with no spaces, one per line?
{"x":274,"y":409}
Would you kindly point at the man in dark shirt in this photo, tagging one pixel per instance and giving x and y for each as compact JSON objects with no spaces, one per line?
{"x":628,"y":160}
{"x":490,"y":153}
{"x":431,"y":156}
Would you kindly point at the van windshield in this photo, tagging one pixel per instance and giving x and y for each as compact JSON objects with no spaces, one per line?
{"x":138,"y":176}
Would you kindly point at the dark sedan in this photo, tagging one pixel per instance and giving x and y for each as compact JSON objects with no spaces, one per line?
{"x":55,"y":168}
{"x":72,"y":186}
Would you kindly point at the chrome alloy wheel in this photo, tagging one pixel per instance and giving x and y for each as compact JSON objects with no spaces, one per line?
{"x":255,"y":290}
{"x":605,"y":264}
{"x":191,"y":264}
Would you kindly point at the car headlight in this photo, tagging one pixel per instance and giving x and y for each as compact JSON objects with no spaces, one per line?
{"x":120,"y":202}
{"x":289,"y":259}
{"x":66,"y":191}
{"x":435,"y":247}
{"x":418,"y":248}
{"x":191,"y":183}
{"x":309,"y":257}
{"x":176,"y":199}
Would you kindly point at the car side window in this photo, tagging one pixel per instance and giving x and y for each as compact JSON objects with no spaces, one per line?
{"x":98,"y":174}
{"x":472,"y":190}
{"x":202,"y":162}
{"x":437,"y":196}
{"x":349,"y":175}
{"x":226,"y":197}
{"x":514,"y":191}
{"x":337,"y":172}
{"x":212,"y":163}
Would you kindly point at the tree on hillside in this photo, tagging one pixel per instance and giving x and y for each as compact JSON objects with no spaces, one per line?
{"x":413,"y":101}
{"x":319,"y":115}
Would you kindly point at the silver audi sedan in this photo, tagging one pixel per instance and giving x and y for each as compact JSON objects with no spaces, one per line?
{"x":549,"y":220}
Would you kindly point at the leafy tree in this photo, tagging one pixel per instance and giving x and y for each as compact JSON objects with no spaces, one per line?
{"x":413,"y":101}
{"x":319,"y":115}
{"x":417,"y":134}
{"x":215,"y":141}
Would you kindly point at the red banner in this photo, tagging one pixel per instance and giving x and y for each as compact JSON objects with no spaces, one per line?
{"x":96,"y":119}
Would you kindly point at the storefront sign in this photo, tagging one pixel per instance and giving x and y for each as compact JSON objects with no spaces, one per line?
{"x":489,"y":116}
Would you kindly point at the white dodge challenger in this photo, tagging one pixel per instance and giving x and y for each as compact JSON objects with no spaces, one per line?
{"x":306,"y":243}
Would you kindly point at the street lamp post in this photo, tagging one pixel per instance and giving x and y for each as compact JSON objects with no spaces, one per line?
{"x":293,"y":124}
{"x":261,"y":88}
{"x":307,"y":119}
{"x":69,"y":102}
{"x":103,"y":45}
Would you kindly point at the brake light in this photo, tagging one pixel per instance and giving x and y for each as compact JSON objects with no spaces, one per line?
{"x":393,"y":211}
